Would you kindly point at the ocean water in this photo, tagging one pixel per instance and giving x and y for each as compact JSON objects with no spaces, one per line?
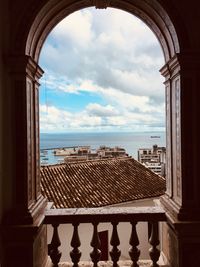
{"x":128,"y":140}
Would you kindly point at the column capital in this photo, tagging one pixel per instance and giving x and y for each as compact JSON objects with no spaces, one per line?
{"x":188,"y":61}
{"x":171,"y":68}
{"x":24,"y":65}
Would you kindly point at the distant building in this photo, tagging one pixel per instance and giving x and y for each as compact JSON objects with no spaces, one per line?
{"x":109,"y":152}
{"x":86,"y":153}
{"x":153,"y":158}
{"x":73,"y":151}
{"x":79,"y":153}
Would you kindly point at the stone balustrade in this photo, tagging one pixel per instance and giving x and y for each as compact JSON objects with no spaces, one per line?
{"x":113,"y":215}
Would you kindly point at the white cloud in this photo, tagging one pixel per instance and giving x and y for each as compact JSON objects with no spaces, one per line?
{"x":113,"y":55}
{"x":94,"y":117}
{"x":123,"y":100}
{"x":75,"y":29}
{"x":101,"y":111}
{"x":55,"y":119}
{"x":91,"y":44}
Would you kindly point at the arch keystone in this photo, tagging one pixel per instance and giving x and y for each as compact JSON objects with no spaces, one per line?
{"x":101,"y":4}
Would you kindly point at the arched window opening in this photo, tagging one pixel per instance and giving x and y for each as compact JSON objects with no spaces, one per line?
{"x":105,"y":103}
{"x":101,"y":93}
{"x":101,"y":86}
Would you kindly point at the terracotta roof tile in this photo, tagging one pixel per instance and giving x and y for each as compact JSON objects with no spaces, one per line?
{"x":99,"y":183}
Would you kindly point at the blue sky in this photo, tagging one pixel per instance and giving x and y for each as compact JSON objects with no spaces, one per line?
{"x":101,"y":74}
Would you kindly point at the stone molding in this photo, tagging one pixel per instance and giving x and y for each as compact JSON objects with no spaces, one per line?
{"x":27,"y":202}
{"x":151,"y":12}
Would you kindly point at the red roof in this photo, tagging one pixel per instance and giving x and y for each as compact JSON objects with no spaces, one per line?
{"x":99,"y":183}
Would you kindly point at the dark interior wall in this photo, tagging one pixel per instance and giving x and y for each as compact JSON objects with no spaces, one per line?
{"x":1,"y":86}
{"x":1,"y":150}
{"x":4,"y":118}
{"x":191,"y":21}
{"x":4,"y":33}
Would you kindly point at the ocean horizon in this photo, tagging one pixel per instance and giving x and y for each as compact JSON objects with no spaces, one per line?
{"x":130,"y":141}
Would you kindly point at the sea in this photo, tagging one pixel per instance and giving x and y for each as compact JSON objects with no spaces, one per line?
{"x":131,"y":141}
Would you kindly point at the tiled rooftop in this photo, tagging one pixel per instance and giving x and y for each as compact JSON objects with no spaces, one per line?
{"x":99,"y":183}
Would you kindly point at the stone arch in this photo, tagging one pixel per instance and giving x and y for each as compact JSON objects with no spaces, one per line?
{"x":153,"y":13}
{"x":27,"y":40}
{"x":27,"y":25}
{"x":150,"y":12}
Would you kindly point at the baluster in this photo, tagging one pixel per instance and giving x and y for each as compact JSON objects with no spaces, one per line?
{"x":154,"y":252}
{"x":75,"y":254}
{"x":53,"y":250}
{"x":134,"y":252}
{"x":115,"y":252}
{"x":95,"y":243}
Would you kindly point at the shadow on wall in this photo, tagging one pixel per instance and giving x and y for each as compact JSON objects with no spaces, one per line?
{"x":85,"y":234}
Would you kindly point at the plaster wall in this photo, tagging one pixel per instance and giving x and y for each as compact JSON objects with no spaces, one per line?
{"x":86,"y":231}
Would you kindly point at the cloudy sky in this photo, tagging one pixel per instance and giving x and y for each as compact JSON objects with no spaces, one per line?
{"x":101,"y":74}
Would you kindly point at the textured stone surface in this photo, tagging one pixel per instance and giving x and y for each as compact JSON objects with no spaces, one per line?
{"x":107,"y":214}
{"x":142,"y":263}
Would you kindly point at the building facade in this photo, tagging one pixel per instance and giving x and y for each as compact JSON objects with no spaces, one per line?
{"x":153,"y":158}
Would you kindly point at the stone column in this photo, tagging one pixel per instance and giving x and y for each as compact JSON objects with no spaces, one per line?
{"x":181,"y":233}
{"x":183,"y":143}
{"x":24,"y":238}
{"x":172,"y":198}
{"x":27,"y":202}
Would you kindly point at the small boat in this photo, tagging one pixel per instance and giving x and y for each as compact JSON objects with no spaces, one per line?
{"x":155,"y":136}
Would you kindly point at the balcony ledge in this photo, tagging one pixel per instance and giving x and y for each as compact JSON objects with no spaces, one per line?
{"x":125,"y":263}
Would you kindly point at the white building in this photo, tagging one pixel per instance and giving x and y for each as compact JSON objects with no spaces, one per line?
{"x":153,"y":158}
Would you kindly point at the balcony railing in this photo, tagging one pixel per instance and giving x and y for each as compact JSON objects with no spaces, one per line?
{"x":94,"y":216}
